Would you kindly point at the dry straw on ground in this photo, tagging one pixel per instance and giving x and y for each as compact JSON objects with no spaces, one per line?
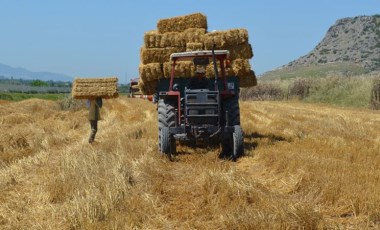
{"x":306,"y":167}
{"x":87,"y":88}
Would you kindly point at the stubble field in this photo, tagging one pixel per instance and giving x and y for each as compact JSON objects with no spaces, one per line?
{"x":306,"y":167}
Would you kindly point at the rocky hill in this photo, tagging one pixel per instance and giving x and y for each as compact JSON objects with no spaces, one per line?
{"x":353,"y":40}
{"x":350,"y":47}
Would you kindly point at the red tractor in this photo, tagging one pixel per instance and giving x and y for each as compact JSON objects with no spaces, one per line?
{"x":208,"y":113}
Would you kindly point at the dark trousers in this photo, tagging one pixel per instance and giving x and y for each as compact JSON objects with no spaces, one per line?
{"x":94,"y":129}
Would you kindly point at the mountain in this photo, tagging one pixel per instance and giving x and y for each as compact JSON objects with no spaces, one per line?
{"x":351,"y":46}
{"x":17,"y":73}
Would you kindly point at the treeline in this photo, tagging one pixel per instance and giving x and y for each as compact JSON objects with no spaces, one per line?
{"x":36,"y":82}
{"x":33,"y":86}
{"x":11,"y":85}
{"x":359,"y":91}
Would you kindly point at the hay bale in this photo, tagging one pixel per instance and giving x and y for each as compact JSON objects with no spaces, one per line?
{"x":182,"y":69}
{"x":243,"y":51}
{"x":194,"y":46}
{"x":158,"y":55}
{"x":241,"y":67}
{"x":186,"y":69}
{"x":89,"y":88}
{"x":194,"y":35}
{"x":154,"y":39}
{"x":226,"y":38}
{"x":210,"y":71}
{"x":248,"y":80}
{"x":150,"y":72}
{"x":181,"y":23}
{"x":148,"y":88}
{"x":189,"y":33}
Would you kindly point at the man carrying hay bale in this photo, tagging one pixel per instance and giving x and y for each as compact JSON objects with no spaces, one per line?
{"x":94,"y":106}
{"x":94,"y":90}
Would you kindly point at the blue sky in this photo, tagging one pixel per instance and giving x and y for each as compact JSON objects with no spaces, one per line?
{"x":103,"y":38}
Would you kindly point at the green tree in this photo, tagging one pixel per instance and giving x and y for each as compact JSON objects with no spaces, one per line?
{"x":38,"y":83}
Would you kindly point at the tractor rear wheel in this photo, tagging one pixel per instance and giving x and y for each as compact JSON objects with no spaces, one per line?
{"x":167,"y":143}
{"x":166,"y":119}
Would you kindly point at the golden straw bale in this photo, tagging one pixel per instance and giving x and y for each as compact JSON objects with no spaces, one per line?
{"x":181,"y":23}
{"x":148,"y":88}
{"x":194,"y":35}
{"x":173,"y":39}
{"x":88,"y":88}
{"x":152,"y":39}
{"x":182,"y":69}
{"x":150,"y":72}
{"x":186,"y":69}
{"x":241,"y":67}
{"x":158,"y":55}
{"x":194,"y":46}
{"x":226,"y":38}
{"x":243,"y":51}
{"x":210,"y":72}
{"x":248,"y":80}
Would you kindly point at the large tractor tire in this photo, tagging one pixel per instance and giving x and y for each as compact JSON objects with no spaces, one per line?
{"x":166,"y":119}
{"x":167,"y":143}
{"x":233,"y":145}
{"x":232,"y":106}
{"x":238,"y":143}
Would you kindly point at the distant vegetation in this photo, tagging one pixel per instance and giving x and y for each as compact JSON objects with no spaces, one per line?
{"x":24,"y":96}
{"x":341,"y":70}
{"x":312,"y":71}
{"x":360,"y":91}
{"x":50,"y":83}
{"x":20,"y":89}
{"x":11,"y":85}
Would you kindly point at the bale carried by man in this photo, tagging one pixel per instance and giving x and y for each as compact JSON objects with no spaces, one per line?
{"x":91,"y":88}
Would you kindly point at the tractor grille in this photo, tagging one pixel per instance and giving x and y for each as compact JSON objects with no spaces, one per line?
{"x":202,"y":107}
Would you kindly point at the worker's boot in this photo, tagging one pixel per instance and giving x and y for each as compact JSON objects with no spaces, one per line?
{"x":92,"y":136}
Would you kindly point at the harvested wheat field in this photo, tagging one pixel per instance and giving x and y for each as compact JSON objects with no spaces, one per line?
{"x":306,"y":167}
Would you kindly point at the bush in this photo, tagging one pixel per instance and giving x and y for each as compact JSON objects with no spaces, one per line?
{"x":263,"y":92}
{"x":375,"y":94}
{"x":301,"y":88}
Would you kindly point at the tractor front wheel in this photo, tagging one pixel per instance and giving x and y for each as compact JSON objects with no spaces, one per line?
{"x":233,"y":145}
{"x":238,"y":142}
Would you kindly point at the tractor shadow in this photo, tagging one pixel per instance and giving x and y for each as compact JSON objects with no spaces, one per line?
{"x":251,"y":142}
{"x":255,"y":139}
{"x":199,"y":148}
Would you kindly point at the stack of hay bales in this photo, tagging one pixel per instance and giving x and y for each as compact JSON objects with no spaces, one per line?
{"x":90,"y":88}
{"x":189,"y":33}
